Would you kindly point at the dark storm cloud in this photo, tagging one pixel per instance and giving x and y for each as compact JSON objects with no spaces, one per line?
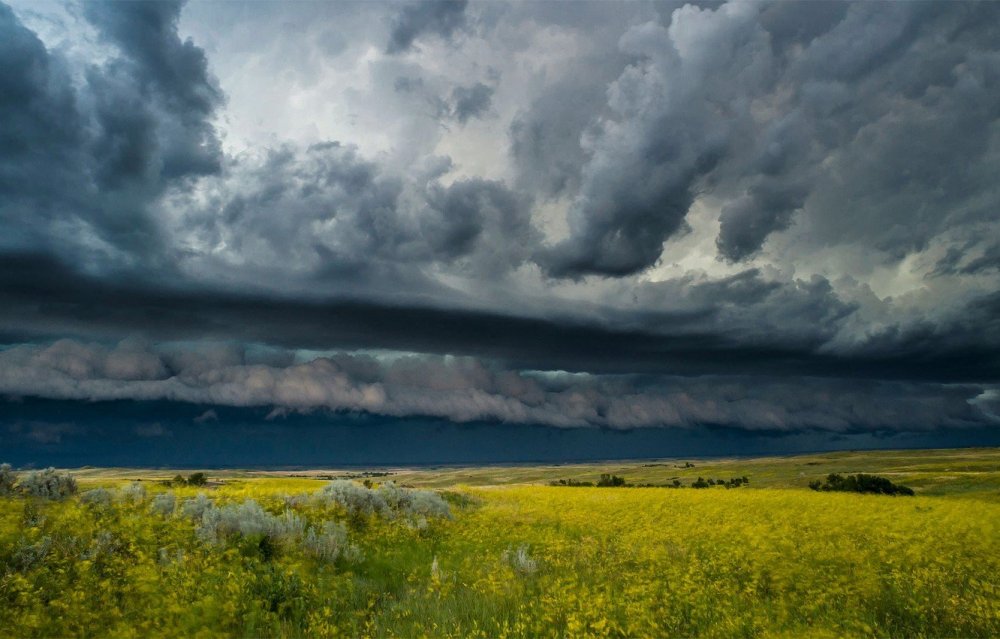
{"x":812,"y":136}
{"x":168,"y":74}
{"x":780,"y":111}
{"x":438,"y":17}
{"x":329,"y":212}
{"x":45,"y":299}
{"x":82,"y":164}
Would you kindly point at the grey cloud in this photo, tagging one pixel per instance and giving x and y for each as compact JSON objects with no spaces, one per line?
{"x":851,"y":117}
{"x":438,"y":17}
{"x":746,"y":222}
{"x":673,"y":115}
{"x":324,"y":209}
{"x":464,"y":389}
{"x":83,"y":162}
{"x":482,"y":219}
{"x":471,"y":101}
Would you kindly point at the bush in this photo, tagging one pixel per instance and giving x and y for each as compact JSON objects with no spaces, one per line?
{"x":356,"y":500}
{"x":48,"y":484}
{"x":197,"y":479}
{"x":97,"y":497}
{"x":607,"y":480}
{"x":520,"y":561}
{"x":861,"y":483}
{"x":196,"y":506}
{"x":328,"y":543}
{"x":133,"y":492}
{"x":163,"y":504}
{"x":571,"y":482}
{"x":7,"y":479}
{"x":426,"y":503}
{"x":249,"y":519}
{"x":386,"y":500}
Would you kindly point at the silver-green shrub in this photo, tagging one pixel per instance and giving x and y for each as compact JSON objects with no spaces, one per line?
{"x":354,"y":498}
{"x":196,"y":506}
{"x":247,"y":519}
{"x":387,"y":500}
{"x":48,"y":484}
{"x":163,"y":504}
{"x":327,"y":543}
{"x":96,"y":496}
{"x":133,"y":492}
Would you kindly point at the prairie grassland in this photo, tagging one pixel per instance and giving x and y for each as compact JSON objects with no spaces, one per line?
{"x":966,"y":471}
{"x":510,"y":561}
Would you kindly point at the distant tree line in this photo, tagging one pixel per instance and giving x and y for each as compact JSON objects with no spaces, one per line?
{"x":860,"y":483}
{"x":614,"y":481}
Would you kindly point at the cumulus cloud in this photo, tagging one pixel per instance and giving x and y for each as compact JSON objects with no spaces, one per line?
{"x":467,"y":389}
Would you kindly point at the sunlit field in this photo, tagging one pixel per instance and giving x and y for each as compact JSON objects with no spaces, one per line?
{"x":276,"y":555}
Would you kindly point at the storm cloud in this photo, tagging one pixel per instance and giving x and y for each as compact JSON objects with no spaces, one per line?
{"x":762,"y":215}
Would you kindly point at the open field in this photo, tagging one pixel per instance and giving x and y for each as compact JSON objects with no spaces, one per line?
{"x":967,"y":472}
{"x":512,"y":557}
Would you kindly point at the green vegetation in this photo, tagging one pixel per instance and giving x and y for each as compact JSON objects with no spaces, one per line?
{"x":258,"y":554}
{"x":860,"y":483}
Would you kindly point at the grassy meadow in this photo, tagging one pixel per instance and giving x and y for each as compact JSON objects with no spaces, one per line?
{"x":497,"y":552}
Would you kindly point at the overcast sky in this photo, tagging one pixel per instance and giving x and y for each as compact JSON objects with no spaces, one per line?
{"x":771,"y":216}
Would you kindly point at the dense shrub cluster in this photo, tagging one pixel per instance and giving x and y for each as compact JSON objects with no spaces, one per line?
{"x":249,"y":520}
{"x":611,"y":481}
{"x":47,"y":484}
{"x":571,"y":482}
{"x":7,"y":479}
{"x":194,"y":479}
{"x":860,"y":483}
{"x":734,"y":482}
{"x":387,"y":500}
{"x":614,"y":481}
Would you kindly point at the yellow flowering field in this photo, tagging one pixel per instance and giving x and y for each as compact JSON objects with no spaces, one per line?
{"x":301,"y":557}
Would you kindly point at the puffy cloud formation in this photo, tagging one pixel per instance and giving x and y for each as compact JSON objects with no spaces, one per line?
{"x":466,"y":389}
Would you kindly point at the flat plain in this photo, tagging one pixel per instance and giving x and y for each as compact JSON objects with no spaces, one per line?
{"x":498,"y":552}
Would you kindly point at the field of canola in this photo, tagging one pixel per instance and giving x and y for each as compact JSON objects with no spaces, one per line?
{"x":509,"y":561}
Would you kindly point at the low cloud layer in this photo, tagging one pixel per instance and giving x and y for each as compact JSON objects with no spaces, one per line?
{"x":466,"y":389}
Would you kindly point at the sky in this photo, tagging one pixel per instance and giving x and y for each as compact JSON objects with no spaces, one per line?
{"x":256,"y":233}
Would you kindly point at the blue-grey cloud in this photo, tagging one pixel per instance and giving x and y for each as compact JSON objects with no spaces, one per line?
{"x":438,"y":17}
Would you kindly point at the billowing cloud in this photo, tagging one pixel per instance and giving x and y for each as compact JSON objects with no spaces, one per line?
{"x":780,"y":111}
